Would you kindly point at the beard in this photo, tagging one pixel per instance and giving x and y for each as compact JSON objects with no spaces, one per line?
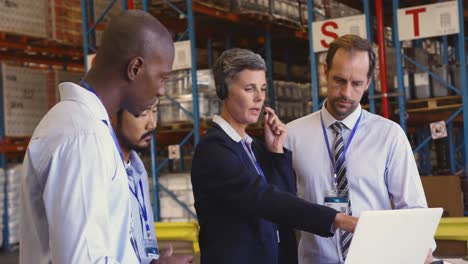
{"x":339,"y":111}
{"x":140,"y":148}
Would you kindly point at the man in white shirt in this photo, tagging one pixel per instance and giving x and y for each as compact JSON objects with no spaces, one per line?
{"x":134,"y":135}
{"x":348,"y":158}
{"x":75,"y":193}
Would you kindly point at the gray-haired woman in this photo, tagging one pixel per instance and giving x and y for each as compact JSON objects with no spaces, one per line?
{"x":245,"y":189}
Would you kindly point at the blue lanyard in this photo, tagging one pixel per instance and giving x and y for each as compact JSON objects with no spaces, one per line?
{"x":116,"y":142}
{"x":340,"y":161}
{"x":253,"y":159}
{"x":142,"y":206}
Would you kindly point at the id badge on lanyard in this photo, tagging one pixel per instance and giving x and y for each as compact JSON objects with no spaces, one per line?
{"x":151,"y":248}
{"x":150,"y":244}
{"x":338,"y":201}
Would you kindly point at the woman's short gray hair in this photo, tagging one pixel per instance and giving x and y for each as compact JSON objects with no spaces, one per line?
{"x":230,"y":63}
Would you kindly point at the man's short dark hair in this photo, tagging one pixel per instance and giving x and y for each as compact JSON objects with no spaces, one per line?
{"x":352,"y":43}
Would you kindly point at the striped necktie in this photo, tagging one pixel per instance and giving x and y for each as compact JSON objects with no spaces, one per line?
{"x":342,"y":181}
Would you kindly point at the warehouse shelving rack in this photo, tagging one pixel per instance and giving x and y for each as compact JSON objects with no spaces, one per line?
{"x":194,"y":115}
{"x":194,"y":7}
{"x":425,"y":137}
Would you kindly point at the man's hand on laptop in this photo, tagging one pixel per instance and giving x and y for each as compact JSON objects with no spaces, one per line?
{"x":345,"y":222}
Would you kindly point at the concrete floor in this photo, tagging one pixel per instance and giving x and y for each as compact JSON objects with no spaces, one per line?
{"x":9,"y":258}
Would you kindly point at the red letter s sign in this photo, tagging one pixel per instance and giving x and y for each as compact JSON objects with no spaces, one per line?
{"x":328,"y":33}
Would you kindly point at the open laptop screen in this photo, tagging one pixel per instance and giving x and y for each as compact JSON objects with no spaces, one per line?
{"x":394,"y":236}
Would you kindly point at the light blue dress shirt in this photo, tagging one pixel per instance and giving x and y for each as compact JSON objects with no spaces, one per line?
{"x":380,"y":168}
{"x":75,"y":197}
{"x":136,"y":172}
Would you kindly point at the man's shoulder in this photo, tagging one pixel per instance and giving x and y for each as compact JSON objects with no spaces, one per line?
{"x":67,"y":125}
{"x":374,"y":121}
{"x":305,"y":124}
{"x":68,"y":118}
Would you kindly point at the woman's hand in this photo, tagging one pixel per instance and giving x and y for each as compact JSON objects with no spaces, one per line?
{"x":275,"y":131}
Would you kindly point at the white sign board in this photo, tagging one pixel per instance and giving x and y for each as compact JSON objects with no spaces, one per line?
{"x":174,"y":152}
{"x":326,"y":31}
{"x":183,"y":55}
{"x":25,"y":99}
{"x":438,"y":129}
{"x":90,"y":61}
{"x":428,"y":21}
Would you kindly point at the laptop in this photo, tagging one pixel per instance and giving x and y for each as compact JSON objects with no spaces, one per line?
{"x":394,"y":236}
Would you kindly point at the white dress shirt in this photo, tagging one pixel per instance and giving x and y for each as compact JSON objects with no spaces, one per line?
{"x":380,"y":168}
{"x":75,"y":196}
{"x":136,"y":173}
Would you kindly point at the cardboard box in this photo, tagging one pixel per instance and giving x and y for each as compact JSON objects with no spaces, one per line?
{"x":450,"y":248}
{"x":445,"y":192}
{"x":464,"y":184}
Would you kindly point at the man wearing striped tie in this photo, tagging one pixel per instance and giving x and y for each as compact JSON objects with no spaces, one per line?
{"x":348,"y":158}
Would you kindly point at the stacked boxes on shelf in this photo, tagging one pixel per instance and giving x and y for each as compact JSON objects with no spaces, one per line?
{"x":13,"y":181}
{"x":420,"y":84}
{"x":290,"y":100}
{"x":326,"y":9}
{"x":307,"y":98}
{"x":219,"y":4}
{"x":24,"y":17}
{"x":319,"y":12}
{"x":99,"y":7}
{"x":65,"y":19}
{"x":335,"y":9}
{"x":25,"y":99}
{"x":286,"y":10}
{"x":438,"y":88}
{"x":179,"y":87}
{"x":322,"y":78}
{"x":181,"y":186}
{"x":252,"y":6}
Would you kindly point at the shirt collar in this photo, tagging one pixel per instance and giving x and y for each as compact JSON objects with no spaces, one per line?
{"x":230,"y":131}
{"x":73,"y":92}
{"x":349,"y":122}
{"x":136,"y":162}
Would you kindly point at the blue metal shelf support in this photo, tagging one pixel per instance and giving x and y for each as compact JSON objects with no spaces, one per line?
{"x":6,"y":222}
{"x":191,"y":30}
{"x":398,"y":60}
{"x":463,"y":78}
{"x":313,"y":59}
{"x":451,"y":144}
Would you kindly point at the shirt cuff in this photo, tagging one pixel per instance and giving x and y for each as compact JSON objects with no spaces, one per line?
{"x":333,"y":229}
